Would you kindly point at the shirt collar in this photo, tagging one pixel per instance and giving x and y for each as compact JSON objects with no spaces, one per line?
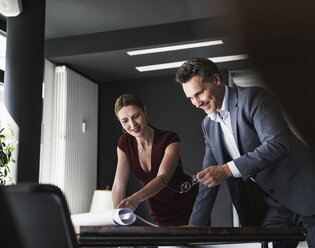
{"x":225,"y":108}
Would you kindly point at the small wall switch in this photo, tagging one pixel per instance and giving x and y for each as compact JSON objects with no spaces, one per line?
{"x":83,"y":127}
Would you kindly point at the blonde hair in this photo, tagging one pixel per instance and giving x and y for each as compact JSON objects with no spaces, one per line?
{"x":128,"y":99}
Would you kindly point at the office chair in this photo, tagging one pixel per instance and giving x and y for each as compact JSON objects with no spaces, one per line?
{"x":35,"y":216}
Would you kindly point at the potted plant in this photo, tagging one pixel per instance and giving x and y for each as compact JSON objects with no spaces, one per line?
{"x":7,"y":147}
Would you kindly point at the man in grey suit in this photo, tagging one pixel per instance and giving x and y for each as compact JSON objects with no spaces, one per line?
{"x":250,"y":146}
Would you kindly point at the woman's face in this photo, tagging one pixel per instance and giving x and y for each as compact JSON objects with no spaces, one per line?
{"x":132,"y":119}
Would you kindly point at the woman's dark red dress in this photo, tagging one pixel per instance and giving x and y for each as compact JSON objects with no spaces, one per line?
{"x":168,"y":208}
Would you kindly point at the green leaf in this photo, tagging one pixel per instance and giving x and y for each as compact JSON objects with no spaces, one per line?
{"x":7,"y":147}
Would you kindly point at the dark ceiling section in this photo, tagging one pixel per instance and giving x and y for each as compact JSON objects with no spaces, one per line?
{"x":92,"y":37}
{"x":3,"y":23}
{"x":143,"y":37}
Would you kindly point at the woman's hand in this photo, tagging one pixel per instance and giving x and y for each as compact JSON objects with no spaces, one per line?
{"x":131,"y":202}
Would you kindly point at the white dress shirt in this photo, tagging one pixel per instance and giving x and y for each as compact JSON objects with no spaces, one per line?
{"x":224,"y":119}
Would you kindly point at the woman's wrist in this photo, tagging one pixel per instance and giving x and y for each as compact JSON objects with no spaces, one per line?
{"x":136,"y":197}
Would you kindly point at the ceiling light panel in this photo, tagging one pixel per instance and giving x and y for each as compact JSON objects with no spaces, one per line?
{"x":179,"y":63}
{"x":175,"y":47}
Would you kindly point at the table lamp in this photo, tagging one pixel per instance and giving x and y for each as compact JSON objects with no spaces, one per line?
{"x":102,"y":201}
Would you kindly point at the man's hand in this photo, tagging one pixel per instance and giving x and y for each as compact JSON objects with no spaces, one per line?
{"x":214,"y":175}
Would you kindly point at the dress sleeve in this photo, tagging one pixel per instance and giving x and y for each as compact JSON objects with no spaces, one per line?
{"x":172,"y":137}
{"x":122,"y":143}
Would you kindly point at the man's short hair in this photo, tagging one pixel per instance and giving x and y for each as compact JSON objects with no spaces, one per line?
{"x":203,"y":67}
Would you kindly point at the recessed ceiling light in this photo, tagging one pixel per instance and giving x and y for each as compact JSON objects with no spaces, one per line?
{"x":176,"y":47}
{"x":179,"y":63}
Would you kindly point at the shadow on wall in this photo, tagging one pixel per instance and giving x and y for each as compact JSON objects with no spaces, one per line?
{"x":280,"y":38}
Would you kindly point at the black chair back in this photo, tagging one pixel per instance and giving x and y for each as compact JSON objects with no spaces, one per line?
{"x":35,"y":216}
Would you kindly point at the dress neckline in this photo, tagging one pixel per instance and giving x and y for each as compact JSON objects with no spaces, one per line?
{"x":152,"y":148}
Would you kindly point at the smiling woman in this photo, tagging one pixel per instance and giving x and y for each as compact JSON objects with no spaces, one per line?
{"x":152,"y":155}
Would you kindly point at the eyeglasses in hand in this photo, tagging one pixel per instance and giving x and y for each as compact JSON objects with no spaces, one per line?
{"x":185,"y":186}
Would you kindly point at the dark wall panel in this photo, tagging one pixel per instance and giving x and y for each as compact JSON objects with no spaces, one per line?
{"x":1,"y":76}
{"x":168,"y":109}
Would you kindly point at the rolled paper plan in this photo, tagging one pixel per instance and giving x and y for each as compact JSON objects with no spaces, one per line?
{"x":118,"y":217}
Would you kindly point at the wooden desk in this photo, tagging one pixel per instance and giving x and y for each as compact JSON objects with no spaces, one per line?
{"x":100,"y":236}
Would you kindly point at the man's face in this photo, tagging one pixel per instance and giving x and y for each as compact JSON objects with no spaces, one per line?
{"x":205,"y":95}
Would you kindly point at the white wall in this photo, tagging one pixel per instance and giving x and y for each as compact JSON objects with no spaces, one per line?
{"x":69,"y":155}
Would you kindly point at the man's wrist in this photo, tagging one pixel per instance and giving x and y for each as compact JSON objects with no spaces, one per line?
{"x":227,"y":170}
{"x":235,"y":172}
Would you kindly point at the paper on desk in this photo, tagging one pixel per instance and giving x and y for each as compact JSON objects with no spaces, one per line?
{"x":118,"y":217}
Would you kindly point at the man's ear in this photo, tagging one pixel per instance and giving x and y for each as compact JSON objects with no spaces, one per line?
{"x":216,"y":78}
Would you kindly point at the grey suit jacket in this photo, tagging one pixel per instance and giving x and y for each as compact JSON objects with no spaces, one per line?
{"x":281,"y":165}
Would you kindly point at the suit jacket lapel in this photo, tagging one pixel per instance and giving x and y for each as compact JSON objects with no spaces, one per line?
{"x":233,"y":106}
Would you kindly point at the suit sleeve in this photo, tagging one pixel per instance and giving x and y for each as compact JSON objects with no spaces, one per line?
{"x":272,"y":131}
{"x":206,"y":196}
